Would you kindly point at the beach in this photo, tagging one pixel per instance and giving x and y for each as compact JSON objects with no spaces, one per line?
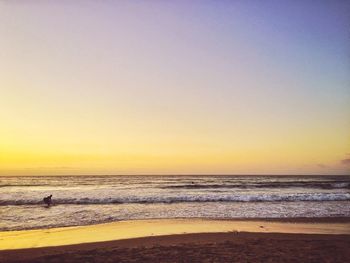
{"x":175,"y":219}
{"x":184,"y":240}
{"x":174,"y":131}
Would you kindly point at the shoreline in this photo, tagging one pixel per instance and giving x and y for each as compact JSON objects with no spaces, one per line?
{"x":260,"y":219}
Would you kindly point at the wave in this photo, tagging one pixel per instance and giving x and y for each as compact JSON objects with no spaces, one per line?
{"x":190,"y":183}
{"x":315,"y":185}
{"x":316,"y":197}
{"x":23,"y":185}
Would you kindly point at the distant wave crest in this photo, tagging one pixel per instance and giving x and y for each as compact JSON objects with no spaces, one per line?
{"x":315,"y":185}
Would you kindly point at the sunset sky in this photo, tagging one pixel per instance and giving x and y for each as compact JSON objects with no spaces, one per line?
{"x":174,"y":87}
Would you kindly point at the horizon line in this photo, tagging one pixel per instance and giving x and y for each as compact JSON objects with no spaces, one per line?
{"x":58,"y":175}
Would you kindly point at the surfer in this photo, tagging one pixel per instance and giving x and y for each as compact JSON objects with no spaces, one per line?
{"x":47,"y":200}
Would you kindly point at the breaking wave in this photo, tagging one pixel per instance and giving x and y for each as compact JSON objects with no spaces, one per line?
{"x":191,"y":198}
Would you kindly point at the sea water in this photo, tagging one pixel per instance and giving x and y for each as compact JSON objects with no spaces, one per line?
{"x":82,"y":200}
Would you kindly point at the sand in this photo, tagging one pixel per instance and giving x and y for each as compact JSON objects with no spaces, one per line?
{"x":194,"y":240}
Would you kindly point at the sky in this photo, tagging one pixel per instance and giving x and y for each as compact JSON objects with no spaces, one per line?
{"x":174,"y":87}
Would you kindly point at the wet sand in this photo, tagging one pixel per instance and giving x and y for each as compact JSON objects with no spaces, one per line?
{"x":190,"y":240}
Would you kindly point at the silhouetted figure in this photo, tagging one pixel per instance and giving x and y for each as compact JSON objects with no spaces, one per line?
{"x":47,"y":200}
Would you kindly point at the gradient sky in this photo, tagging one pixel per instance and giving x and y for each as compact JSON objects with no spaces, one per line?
{"x":174,"y":87}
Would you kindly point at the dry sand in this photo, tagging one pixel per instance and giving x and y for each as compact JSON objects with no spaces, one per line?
{"x":166,"y":241}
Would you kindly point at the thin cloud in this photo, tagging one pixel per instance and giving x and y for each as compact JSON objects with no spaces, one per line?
{"x":345,"y":161}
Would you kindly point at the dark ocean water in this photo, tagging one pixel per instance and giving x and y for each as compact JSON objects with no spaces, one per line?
{"x":81,"y":200}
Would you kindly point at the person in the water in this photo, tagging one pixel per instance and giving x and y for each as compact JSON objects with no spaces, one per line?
{"x":47,"y":200}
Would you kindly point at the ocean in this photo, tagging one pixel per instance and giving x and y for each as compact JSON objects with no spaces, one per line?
{"x":83,"y":200}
